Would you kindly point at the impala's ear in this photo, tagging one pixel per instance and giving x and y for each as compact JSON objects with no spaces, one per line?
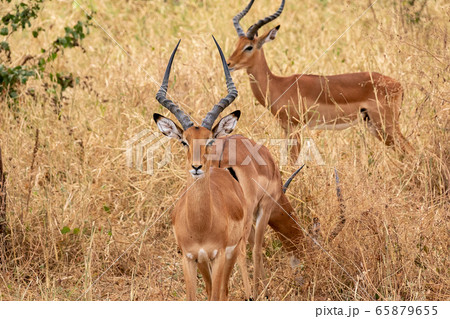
{"x":168,"y":127}
{"x":269,"y":36}
{"x":226,"y":125}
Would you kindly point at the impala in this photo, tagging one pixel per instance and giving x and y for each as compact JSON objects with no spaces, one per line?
{"x":319,"y":102}
{"x":210,"y":220}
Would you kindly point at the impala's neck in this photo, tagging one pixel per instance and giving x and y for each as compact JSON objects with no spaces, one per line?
{"x":198,"y":203}
{"x":260,"y":78}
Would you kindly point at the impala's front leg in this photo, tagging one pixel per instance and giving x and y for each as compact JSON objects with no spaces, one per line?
{"x":217,"y":275}
{"x":293,"y":136}
{"x":190,"y":277}
{"x":205,"y":270}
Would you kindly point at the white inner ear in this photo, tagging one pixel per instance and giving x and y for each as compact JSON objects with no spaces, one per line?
{"x":271,"y":36}
{"x":168,"y":128}
{"x":225,"y":126}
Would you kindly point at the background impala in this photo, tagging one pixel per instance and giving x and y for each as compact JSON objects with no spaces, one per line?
{"x":332,"y":102}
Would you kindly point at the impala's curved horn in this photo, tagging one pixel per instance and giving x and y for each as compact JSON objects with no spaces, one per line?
{"x":254,"y":28}
{"x":289,"y":180}
{"x":184,"y":120}
{"x":225,"y":102}
{"x":239,"y":16}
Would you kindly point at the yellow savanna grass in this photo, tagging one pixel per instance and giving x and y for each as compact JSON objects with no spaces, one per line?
{"x":120,"y":246}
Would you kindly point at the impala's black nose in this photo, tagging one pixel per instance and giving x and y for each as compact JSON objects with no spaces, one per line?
{"x":197,"y":167}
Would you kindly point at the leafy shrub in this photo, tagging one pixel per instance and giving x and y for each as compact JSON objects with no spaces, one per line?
{"x":13,"y":76}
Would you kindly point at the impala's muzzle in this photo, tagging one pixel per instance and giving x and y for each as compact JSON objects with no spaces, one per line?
{"x":196,"y":171}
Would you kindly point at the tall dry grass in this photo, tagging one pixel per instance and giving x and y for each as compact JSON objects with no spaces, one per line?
{"x":395,"y":244}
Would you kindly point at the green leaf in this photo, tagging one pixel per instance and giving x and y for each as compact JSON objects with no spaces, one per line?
{"x":13,"y":94}
{"x":4,"y":46}
{"x":65,"y":230}
{"x":76,"y":231}
{"x":106,"y":208}
{"x":4,"y":31}
{"x":52,"y":56}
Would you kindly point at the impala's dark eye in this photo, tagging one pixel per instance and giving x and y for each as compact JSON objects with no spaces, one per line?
{"x":248,"y":48}
{"x":184,"y":143}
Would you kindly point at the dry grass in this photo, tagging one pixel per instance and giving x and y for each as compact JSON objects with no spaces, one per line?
{"x":395,"y":244}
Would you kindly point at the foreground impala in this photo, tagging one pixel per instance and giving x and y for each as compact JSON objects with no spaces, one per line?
{"x":210,"y":220}
{"x":319,"y":102}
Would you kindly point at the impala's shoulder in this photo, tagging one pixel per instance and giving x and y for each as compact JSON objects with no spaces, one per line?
{"x":222,"y":176}
{"x":225,"y":180}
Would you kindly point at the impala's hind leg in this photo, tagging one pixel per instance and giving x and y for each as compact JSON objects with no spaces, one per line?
{"x":251,"y":237}
{"x":402,"y":143}
{"x":382,"y":118}
{"x":261,"y":222}
{"x":392,"y":137}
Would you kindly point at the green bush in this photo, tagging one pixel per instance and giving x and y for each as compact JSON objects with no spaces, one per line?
{"x":13,"y":76}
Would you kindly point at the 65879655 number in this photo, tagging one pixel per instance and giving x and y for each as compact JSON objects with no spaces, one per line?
{"x":406,"y":310}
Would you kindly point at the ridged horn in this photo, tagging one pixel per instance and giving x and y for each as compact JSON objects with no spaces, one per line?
{"x":184,"y":119}
{"x":254,"y":28}
{"x":225,"y":102}
{"x":239,"y":16}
